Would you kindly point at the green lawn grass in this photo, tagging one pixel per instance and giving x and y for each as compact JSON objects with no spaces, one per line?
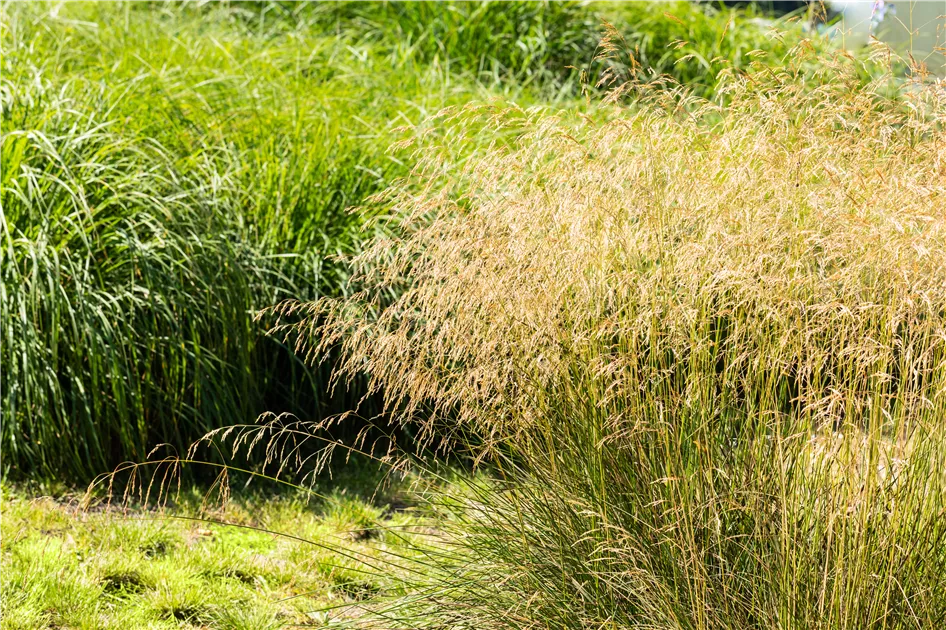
{"x":109,"y":567}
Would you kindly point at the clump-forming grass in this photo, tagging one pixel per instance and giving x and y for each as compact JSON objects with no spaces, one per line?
{"x":544,"y":45}
{"x":170,"y":168}
{"x":167,"y":173}
{"x":703,"y":346}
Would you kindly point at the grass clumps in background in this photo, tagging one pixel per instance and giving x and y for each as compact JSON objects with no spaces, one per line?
{"x":519,"y":43}
{"x":170,"y":169}
{"x":704,"y":347}
{"x":545,"y":45}
{"x":166,"y":175}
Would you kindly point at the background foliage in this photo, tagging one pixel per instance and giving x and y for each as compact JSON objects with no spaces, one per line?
{"x":169,"y":169}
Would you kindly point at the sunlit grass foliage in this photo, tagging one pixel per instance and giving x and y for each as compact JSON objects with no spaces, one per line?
{"x":171,"y":168}
{"x":545,"y":45}
{"x":167,"y":174}
{"x":222,"y":568}
{"x":703,"y":346}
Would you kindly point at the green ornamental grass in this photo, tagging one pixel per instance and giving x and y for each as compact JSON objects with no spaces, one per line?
{"x":694,"y":331}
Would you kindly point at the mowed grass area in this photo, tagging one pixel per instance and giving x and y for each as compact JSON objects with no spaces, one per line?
{"x":108,"y":567}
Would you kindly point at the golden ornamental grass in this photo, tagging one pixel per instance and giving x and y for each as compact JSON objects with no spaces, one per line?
{"x":704,"y":344}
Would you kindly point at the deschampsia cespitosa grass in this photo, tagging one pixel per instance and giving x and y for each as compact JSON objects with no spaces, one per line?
{"x":702,"y":346}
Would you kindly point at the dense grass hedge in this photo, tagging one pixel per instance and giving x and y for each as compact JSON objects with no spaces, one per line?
{"x":154,"y":198}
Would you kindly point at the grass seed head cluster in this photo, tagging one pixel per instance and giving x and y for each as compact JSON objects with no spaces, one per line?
{"x":703,"y":345}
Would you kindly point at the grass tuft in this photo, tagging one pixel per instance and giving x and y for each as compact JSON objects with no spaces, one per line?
{"x":702,"y":345}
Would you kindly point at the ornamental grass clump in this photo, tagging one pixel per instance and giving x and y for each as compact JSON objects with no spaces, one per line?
{"x":701,"y":346}
{"x":165,"y":175}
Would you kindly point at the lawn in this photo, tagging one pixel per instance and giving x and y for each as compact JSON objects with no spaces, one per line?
{"x":263,"y":560}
